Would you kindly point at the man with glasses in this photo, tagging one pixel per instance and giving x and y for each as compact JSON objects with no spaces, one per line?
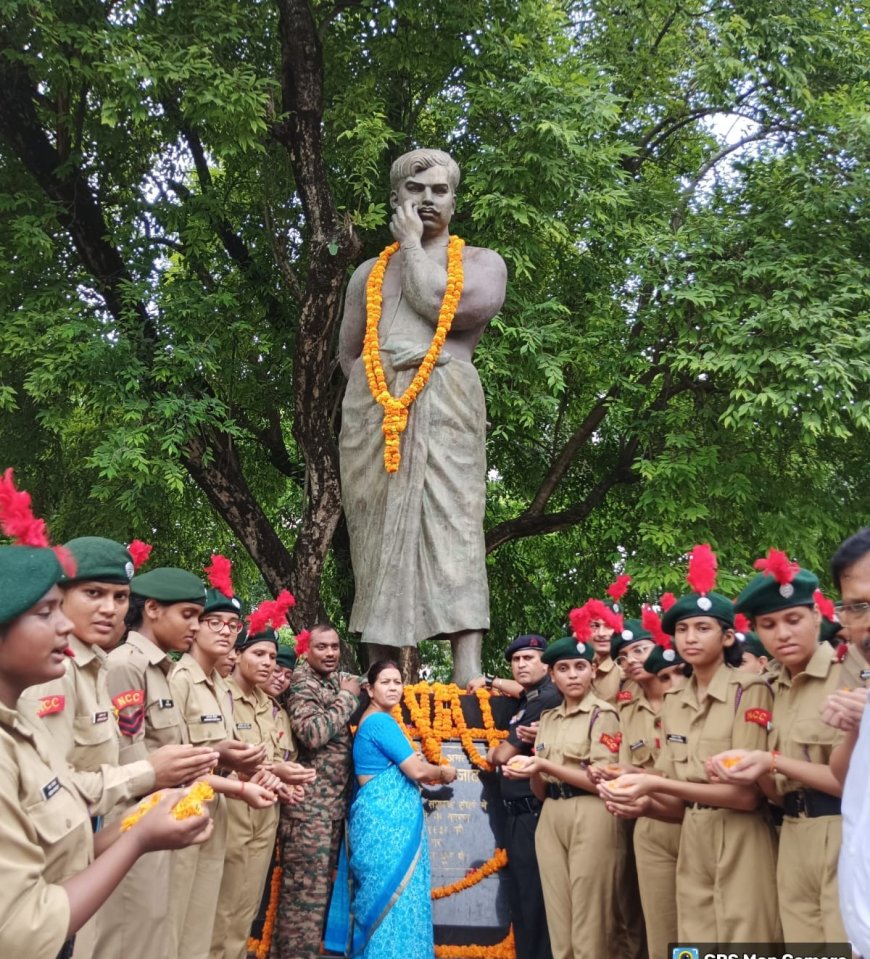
{"x":524,"y":882}
{"x":850,"y":568}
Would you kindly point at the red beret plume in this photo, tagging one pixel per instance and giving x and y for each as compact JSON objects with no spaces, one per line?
{"x":303,"y":641}
{"x":220,"y":575}
{"x":778,"y":565}
{"x":842,"y":652}
{"x":667,"y":600}
{"x":825,"y":605}
{"x":580,"y":619}
{"x":139,"y":553}
{"x":702,"y":569}
{"x":20,"y":525}
{"x":741,"y":623}
{"x":618,"y":589}
{"x":592,"y":609}
{"x":272,"y":612}
{"x":651,"y":621}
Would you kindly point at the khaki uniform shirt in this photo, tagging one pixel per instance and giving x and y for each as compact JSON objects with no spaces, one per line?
{"x":205,"y":702}
{"x":251,"y":715}
{"x":798,"y":730}
{"x":46,"y":838}
{"x":607,"y":680}
{"x":641,"y":730}
{"x":138,"y":682}
{"x":578,"y":735}
{"x":735,"y":714}
{"x":283,"y":742}
{"x":78,"y":713}
{"x":320,"y":715}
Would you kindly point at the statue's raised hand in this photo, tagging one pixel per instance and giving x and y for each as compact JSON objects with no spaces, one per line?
{"x":406,"y":225}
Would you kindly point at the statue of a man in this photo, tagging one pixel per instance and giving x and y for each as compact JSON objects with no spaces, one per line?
{"x":416,"y":535}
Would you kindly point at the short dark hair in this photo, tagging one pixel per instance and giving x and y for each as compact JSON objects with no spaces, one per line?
{"x":323,"y":627}
{"x":135,"y":614}
{"x":378,"y":667}
{"x":848,"y":553}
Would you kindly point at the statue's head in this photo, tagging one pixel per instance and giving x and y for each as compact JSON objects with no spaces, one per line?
{"x":416,"y":160}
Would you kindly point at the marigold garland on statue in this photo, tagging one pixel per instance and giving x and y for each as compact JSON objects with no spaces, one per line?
{"x":396,"y":407}
{"x":506,"y":949}
{"x":489,"y":868}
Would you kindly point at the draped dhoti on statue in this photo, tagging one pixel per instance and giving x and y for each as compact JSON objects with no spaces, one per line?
{"x":416,"y":536}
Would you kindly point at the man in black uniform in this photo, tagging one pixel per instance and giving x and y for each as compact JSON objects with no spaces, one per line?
{"x":524,"y":883}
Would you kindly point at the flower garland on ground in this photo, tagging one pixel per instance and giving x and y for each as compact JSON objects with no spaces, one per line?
{"x":490,"y":867}
{"x":259,"y":948}
{"x":396,"y":407}
{"x":506,"y":949}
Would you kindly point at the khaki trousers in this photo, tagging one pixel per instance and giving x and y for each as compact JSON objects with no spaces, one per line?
{"x":656,"y":845}
{"x":250,"y":841}
{"x":806,"y":876}
{"x":726,"y":878}
{"x":579,"y":847}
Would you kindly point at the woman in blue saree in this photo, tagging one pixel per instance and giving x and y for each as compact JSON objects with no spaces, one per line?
{"x":390,"y":908}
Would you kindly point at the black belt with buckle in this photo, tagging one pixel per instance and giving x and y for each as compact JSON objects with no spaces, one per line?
{"x":68,"y":947}
{"x":699,"y":805}
{"x":564,"y":791}
{"x":811,"y":803}
{"x":522,"y":806}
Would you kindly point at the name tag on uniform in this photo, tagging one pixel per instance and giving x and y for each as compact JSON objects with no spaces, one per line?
{"x":637,"y":745}
{"x":517,"y":717}
{"x":244,"y":726}
{"x":211,"y":718}
{"x":865,"y":674}
{"x":100,"y":718}
{"x":675,"y":738}
{"x":165,"y":703}
{"x":540,"y":747}
{"x":49,"y":789}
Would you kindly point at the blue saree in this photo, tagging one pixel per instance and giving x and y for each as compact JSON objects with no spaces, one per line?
{"x":387,"y":887}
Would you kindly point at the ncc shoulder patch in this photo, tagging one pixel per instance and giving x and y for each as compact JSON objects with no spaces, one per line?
{"x":624,"y":696}
{"x":132,"y":697}
{"x":762,"y":717}
{"x":611,"y":742}
{"x":49,"y":705}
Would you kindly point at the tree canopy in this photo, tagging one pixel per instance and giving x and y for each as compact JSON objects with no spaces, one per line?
{"x":679,"y":190}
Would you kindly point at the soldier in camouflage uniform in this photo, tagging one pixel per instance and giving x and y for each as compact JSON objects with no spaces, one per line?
{"x":320,"y":703}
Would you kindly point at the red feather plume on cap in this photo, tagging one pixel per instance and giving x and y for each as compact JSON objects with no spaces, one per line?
{"x":219,"y":574}
{"x":778,"y":565}
{"x":303,"y":641}
{"x":581,"y":619}
{"x":651,"y":621}
{"x":139,"y":553}
{"x":701,"y":575}
{"x":667,"y":600}
{"x":618,"y":589}
{"x":826,"y":606}
{"x":741,"y":623}
{"x":20,"y":525}
{"x":272,"y":612}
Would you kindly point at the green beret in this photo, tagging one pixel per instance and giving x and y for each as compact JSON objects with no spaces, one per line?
{"x":660,"y":659}
{"x":286,"y":656}
{"x":632,"y":632}
{"x":218,"y":602}
{"x":27,"y":573}
{"x":101,"y":560}
{"x":245,"y":640}
{"x":567,"y":648}
{"x":764,"y":594}
{"x":697,"y":604}
{"x":169,"y":585}
{"x":750,"y":643}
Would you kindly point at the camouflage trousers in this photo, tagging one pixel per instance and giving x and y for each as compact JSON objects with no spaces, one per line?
{"x":309,"y":853}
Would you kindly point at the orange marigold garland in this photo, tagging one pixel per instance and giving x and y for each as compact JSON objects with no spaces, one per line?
{"x":396,"y":407}
{"x":261,"y":947}
{"x":186,"y":807}
{"x":489,"y":868}
{"x":506,"y":949}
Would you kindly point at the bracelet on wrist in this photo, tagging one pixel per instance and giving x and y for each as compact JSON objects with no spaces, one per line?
{"x":774,"y":755}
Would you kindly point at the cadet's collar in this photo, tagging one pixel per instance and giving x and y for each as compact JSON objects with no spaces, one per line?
{"x":586,"y":705}
{"x":197,"y":673}
{"x":718,"y":687}
{"x":153,"y":653}
{"x":9,"y":717}
{"x":85,"y":652}
{"x":818,"y":667}
{"x":605,"y":665}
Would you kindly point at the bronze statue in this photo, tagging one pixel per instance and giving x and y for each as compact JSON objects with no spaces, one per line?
{"x":416,"y":534}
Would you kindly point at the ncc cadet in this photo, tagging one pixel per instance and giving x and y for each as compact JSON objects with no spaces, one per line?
{"x":723,"y":894}
{"x":284,"y":743}
{"x":251,"y":832}
{"x":48,"y":889}
{"x":578,"y":842}
{"x":204,"y":701}
{"x":795,"y":773}
{"x":320,"y":702}
{"x":163,"y":618}
{"x":522,"y":806}
{"x":754,"y":657}
{"x":644,"y":654}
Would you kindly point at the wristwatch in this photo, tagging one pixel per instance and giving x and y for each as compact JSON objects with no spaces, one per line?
{"x":488,"y":680}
